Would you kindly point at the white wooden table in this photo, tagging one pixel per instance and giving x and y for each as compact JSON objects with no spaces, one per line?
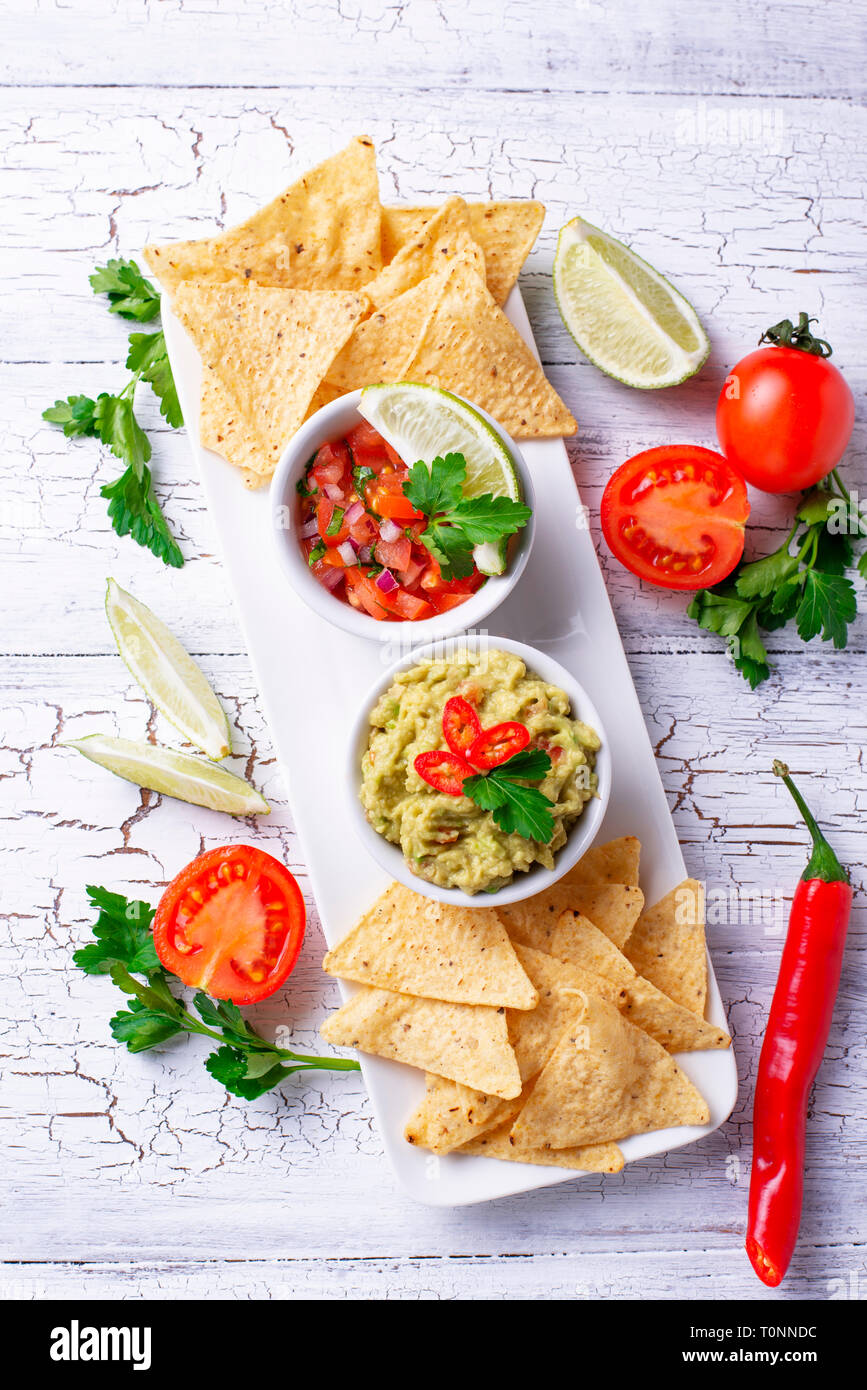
{"x":729,"y":147}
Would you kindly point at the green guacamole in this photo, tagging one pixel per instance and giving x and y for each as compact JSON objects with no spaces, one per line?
{"x":449,"y":840}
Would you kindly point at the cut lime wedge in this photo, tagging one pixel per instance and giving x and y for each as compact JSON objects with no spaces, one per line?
{"x":422,"y":422}
{"x":166,"y":770}
{"x":622,"y":313}
{"x":167,"y":673}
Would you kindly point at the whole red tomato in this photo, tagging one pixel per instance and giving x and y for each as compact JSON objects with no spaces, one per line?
{"x":785,"y":414}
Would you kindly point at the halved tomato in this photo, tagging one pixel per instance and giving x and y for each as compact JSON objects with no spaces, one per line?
{"x":231,"y":923}
{"x":676,"y":515}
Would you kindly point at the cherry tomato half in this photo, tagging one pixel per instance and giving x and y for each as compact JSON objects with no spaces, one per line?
{"x":445,"y":772}
{"x":231,"y":923}
{"x":784,"y":418}
{"x":497,"y":744}
{"x":675,"y":516}
{"x":461,"y":725}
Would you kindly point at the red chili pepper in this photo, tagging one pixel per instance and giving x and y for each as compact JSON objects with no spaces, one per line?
{"x":497,"y":744}
{"x":461,"y":725}
{"x":445,"y":772}
{"x":797,"y":1031}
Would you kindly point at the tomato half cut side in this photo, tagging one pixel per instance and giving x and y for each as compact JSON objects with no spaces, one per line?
{"x":445,"y":772}
{"x":497,"y":744}
{"x":231,"y":923}
{"x":461,"y":725}
{"x":676,"y":516}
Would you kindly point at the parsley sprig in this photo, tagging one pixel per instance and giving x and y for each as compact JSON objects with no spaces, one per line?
{"x":516,"y":808}
{"x":456,"y":523}
{"x":245,"y":1063}
{"x":133,"y":506}
{"x":804,"y":580}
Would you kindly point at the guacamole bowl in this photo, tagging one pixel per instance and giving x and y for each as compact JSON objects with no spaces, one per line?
{"x":292,"y":538}
{"x":445,"y":846}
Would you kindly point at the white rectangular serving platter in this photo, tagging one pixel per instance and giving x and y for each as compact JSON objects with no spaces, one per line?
{"x":311,"y":677}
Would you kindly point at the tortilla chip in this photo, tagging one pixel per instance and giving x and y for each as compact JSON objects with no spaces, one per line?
{"x":464,"y":1042}
{"x":498,"y":1143}
{"x":675,"y":1028}
{"x":612,"y":907}
{"x":445,"y":235}
{"x":470,"y":347}
{"x":614,"y":862}
{"x":269,"y":350}
{"x":667,"y":946}
{"x":383,"y":346}
{"x":505,"y":231}
{"x":450,"y":1115}
{"x":417,"y":946}
{"x":580,"y":942}
{"x":606,"y":1080}
{"x":323,"y":232}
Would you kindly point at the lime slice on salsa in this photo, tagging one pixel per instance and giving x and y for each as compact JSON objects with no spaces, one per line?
{"x":624,"y":316}
{"x":424,"y":422}
{"x":167,"y":673}
{"x":173,"y":773}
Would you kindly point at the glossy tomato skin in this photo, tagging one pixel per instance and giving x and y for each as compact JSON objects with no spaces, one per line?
{"x":231,"y":923}
{"x":784,"y":418}
{"x":675,"y":516}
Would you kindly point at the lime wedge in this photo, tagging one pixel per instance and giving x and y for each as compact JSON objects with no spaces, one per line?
{"x":166,"y":673}
{"x":623,"y":315}
{"x":181,"y":775}
{"x":422,"y":422}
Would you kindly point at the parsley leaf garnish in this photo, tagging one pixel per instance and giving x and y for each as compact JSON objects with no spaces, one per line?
{"x":456,"y":523}
{"x":133,"y":506}
{"x":807,"y":584}
{"x":245,"y":1062}
{"x":129,"y":293}
{"x":516,"y":808}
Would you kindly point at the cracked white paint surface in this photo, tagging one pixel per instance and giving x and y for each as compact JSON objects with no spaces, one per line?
{"x":733,"y":157}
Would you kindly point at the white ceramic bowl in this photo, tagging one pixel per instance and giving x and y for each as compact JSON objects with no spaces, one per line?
{"x":523,"y":885}
{"x":332,"y":422}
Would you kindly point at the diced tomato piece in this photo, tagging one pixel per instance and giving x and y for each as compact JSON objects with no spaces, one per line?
{"x":394,"y":456}
{"x":394,"y":555}
{"x":364,"y":531}
{"x":410,"y":574}
{"x":326,"y":520}
{"x":391,"y":504}
{"x":367,"y":593}
{"x":368,"y":447}
{"x":410,"y":607}
{"x":443,"y":602}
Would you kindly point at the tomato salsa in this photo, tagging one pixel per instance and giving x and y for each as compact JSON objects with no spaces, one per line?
{"x":361,"y":534}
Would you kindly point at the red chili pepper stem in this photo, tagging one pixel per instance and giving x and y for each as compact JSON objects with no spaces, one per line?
{"x":823,"y":862}
{"x":797,"y":1031}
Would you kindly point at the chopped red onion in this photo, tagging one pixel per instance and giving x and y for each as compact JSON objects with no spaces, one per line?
{"x":387,"y":582}
{"x":353,"y":513}
{"x":346,"y":551}
{"x":365,"y":555}
{"x":388,"y":530}
{"x":331,"y":577}
{"x":309,"y":529}
{"x":333,"y":492}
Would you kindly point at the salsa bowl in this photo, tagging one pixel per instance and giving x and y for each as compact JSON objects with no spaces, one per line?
{"x":580,"y":835}
{"x":333,"y":422}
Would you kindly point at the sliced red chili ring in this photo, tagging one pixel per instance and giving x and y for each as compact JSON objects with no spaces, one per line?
{"x":461,"y":725}
{"x":499,"y":743}
{"x":445,"y":772}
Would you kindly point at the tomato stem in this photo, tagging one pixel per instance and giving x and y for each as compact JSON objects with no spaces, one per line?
{"x":787,"y":334}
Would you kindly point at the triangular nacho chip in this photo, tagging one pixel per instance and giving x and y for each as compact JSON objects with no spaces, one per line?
{"x":675,"y":1028}
{"x":464,"y":1042}
{"x":505,"y":231}
{"x":469,"y":346}
{"x":614,"y":862}
{"x":445,"y":235}
{"x":322,"y":232}
{"x":269,"y":349}
{"x":606,"y":1080}
{"x":383,"y":346}
{"x":667,"y":946}
{"x":415,"y":945}
{"x":612,"y":907}
{"x":450,"y":1115}
{"x":498,"y":1143}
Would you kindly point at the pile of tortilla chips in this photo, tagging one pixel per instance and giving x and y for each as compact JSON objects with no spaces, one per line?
{"x":325,"y":290}
{"x":545,"y":1028}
